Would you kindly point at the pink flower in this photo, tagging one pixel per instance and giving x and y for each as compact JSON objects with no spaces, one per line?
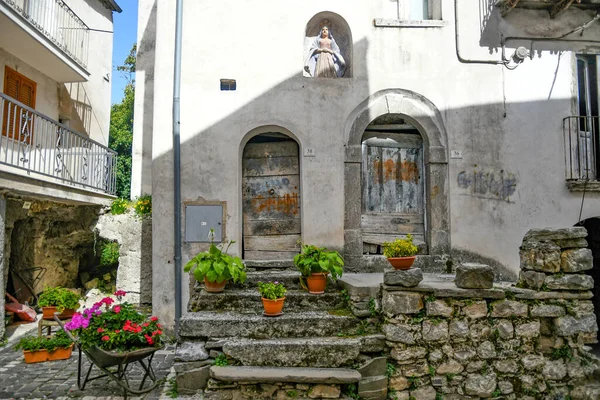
{"x":120,"y":293}
{"x":117,"y":309}
{"x":105,"y":338}
{"x":100,"y":330}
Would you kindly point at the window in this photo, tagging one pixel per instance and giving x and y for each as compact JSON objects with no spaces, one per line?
{"x":16,"y":122}
{"x":412,"y":10}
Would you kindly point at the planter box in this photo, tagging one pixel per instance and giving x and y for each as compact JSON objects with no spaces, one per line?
{"x":44,"y":355}
{"x":48,"y":313}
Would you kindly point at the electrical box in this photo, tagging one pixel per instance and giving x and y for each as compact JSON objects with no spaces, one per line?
{"x":200,"y":219}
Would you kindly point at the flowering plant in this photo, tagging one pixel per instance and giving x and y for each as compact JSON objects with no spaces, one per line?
{"x":400,"y":248}
{"x":115,"y":327}
{"x":272,"y":290}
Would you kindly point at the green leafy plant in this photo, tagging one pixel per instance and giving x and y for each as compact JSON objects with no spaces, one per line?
{"x":400,"y":248}
{"x":58,"y":297}
{"x":34,"y":343}
{"x":119,"y":206}
{"x":562,"y":352}
{"x":497,"y":393}
{"x":390,"y":370}
{"x":346,"y":298}
{"x":143,"y":205}
{"x":216,"y":265}
{"x":272,"y":290}
{"x":172,"y":390}
{"x":221,"y":360}
{"x":439,"y":396}
{"x":110,"y":253}
{"x":313,"y":259}
{"x":431,"y":371}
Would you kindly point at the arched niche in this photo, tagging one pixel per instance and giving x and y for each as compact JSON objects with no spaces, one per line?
{"x":340,"y":31}
{"x":422,"y":114}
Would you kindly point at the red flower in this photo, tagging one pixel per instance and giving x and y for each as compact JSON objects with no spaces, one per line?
{"x":149,"y":339}
{"x":117,"y":309}
{"x":146,"y":324}
{"x":117,"y":331}
{"x":105,"y":338}
{"x":120,"y":293}
{"x":100,"y":330}
{"x":153,"y":319}
{"x":159,"y":326}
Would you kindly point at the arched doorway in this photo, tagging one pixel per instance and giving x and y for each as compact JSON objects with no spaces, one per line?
{"x":420,"y":113}
{"x":270,"y":197}
{"x":392,"y":184}
{"x":592,"y":225}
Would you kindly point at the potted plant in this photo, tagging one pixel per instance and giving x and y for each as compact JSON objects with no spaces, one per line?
{"x":113,"y":331}
{"x":215,"y":267}
{"x":401,"y":252}
{"x":273,"y":296}
{"x":58,"y":299}
{"x":314,"y":263}
{"x":36,"y":349}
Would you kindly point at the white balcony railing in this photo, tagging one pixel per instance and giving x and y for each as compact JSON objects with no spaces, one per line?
{"x":37,"y":144}
{"x":55,"y":20}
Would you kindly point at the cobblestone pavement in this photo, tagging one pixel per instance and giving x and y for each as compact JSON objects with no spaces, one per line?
{"x":58,"y":379}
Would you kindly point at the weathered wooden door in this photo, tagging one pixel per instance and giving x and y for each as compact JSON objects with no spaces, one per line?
{"x":392,"y":184}
{"x":271,"y":198}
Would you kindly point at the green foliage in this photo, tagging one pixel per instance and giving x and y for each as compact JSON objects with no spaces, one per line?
{"x":562,"y":352}
{"x":272,"y":290}
{"x":450,"y":377}
{"x":292,"y":393}
{"x":418,"y":317}
{"x":143,"y":205}
{"x":110,"y":253}
{"x":431,"y":371}
{"x":430,"y":298}
{"x":345,"y":298}
{"x":400,"y":248}
{"x":414,"y":382}
{"x":3,"y":342}
{"x":313,"y":259}
{"x":121,"y":128}
{"x":495,"y":335}
{"x":496,"y":393}
{"x":119,"y":206}
{"x":221,"y":360}
{"x":58,"y":297}
{"x":351,"y":390}
{"x":34,"y":343}
{"x":172,"y":390}
{"x":390,"y":370}
{"x":373,"y":308}
{"x":216,"y":265}
{"x":439,"y":396}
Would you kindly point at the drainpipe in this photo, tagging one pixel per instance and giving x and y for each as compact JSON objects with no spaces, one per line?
{"x":177,"y":162}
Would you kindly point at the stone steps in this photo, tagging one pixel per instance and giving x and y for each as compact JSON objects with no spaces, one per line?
{"x":289,"y":375}
{"x":250,"y":300}
{"x":207,"y":324}
{"x":265,"y":265}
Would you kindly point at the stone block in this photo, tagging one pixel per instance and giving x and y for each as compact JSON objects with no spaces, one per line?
{"x":506,"y":366}
{"x":480,"y":385}
{"x":191,"y":351}
{"x":374,"y":367}
{"x":476,"y":310}
{"x":398,"y":383}
{"x":547,"y":311}
{"x":474,"y":276}
{"x":464,"y":355}
{"x":554,"y":370}
{"x":189,"y":382}
{"x":508,"y":309}
{"x":458,"y":329}
{"x":531,"y":279}
{"x":372,"y":383}
{"x":282,"y":374}
{"x":571,"y":243}
{"x":410,"y":353}
{"x":569,"y":282}
{"x":580,"y":308}
{"x":555,"y":234}
{"x":450,"y":367}
{"x":569,"y":325}
{"x":424,"y":393}
{"x":439,"y":308}
{"x":505,"y":387}
{"x":396,"y":303}
{"x":576,"y":260}
{"x":486,"y":350}
{"x":540,"y":256}
{"x":372,"y":343}
{"x":435,"y":331}
{"x":380,"y":394}
{"x":480,"y":331}
{"x":324,"y":392}
{"x":505,"y":329}
{"x":416,"y":369}
{"x":528,"y":330}
{"x":532,"y":362}
{"x":399,"y":333}
{"x":407,"y":278}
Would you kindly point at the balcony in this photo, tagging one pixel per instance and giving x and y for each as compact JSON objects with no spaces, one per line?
{"x":32,"y":143}
{"x":554,"y":7}
{"x":47,"y":35}
{"x":581,"y":152}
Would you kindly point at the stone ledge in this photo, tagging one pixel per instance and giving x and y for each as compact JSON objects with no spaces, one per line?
{"x":293,"y":375}
{"x":444,"y":286}
{"x":397,"y":23}
{"x":581,"y":185}
{"x":361,"y":284}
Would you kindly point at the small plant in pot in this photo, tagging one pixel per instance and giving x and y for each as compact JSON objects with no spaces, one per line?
{"x":36,"y":349}
{"x":58,"y":299}
{"x":401,"y":252}
{"x":215,"y":267}
{"x":273,"y":296}
{"x":314,"y":263}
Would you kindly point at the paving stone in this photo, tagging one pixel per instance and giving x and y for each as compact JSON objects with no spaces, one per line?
{"x":474,"y":276}
{"x":406,"y":278}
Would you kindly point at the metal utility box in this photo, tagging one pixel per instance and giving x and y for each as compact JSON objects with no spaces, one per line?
{"x":199,"y":219}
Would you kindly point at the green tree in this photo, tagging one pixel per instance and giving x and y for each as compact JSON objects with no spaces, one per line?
{"x":121,"y":127}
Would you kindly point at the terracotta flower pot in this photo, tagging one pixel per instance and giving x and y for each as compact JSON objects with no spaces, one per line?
{"x":316,"y":282}
{"x":48,"y":313}
{"x":214,"y":287}
{"x":44,"y":355}
{"x":273,"y":308}
{"x":402,"y":263}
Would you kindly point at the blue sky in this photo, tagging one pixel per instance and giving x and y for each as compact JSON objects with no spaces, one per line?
{"x":125,"y":28}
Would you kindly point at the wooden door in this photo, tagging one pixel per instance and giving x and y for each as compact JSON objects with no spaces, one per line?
{"x":393,"y":197}
{"x":271,"y":198}
{"x":17,"y":122}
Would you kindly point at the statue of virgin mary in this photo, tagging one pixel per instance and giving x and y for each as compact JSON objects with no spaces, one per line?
{"x":324,"y":59}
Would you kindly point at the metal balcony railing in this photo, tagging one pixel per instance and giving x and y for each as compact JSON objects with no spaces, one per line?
{"x":581,"y":147}
{"x":36,"y":143}
{"x":55,"y":20}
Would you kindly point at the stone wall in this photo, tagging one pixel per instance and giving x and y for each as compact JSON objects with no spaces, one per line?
{"x":503,"y":341}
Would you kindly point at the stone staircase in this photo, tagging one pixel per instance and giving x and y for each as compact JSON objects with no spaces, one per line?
{"x":311,"y":350}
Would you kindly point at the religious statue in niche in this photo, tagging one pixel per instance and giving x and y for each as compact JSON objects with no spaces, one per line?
{"x":324,"y":58}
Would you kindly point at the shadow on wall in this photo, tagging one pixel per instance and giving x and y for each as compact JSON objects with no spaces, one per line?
{"x":593,"y":227}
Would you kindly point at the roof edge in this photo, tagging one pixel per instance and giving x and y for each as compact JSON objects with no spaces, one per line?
{"x":111,"y":5}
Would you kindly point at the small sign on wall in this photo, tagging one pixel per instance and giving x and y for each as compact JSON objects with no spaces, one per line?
{"x":199,"y":219}
{"x":456,"y":154}
{"x":309,"y":152}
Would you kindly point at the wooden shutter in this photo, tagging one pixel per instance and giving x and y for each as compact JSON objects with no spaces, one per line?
{"x":22,"y":89}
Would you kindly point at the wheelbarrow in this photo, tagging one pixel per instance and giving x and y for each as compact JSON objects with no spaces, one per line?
{"x":22,"y":311}
{"x":114,"y":365}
